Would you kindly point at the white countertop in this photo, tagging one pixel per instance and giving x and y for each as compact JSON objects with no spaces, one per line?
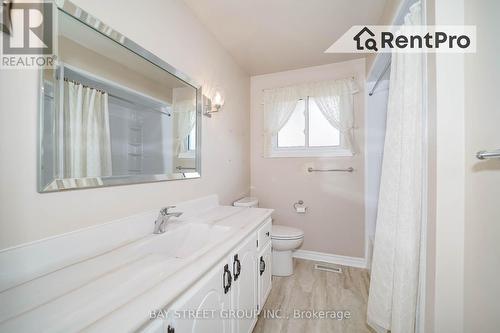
{"x":116,"y":289}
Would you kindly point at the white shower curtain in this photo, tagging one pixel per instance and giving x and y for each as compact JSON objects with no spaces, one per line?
{"x":87,"y":142}
{"x":394,"y":281}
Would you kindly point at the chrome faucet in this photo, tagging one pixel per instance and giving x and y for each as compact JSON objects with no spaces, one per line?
{"x":163,"y":218}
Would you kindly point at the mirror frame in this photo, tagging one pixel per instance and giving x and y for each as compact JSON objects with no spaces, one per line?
{"x":97,"y":182}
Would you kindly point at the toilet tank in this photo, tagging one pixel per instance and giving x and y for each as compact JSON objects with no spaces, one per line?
{"x":250,"y":202}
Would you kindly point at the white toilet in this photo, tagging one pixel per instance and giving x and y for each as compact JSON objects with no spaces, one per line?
{"x":283,"y":239}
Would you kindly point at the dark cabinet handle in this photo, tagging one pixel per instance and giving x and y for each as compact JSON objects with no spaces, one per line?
{"x":170,"y":329}
{"x":227,"y":279}
{"x":267,"y":234}
{"x":262,"y":265}
{"x":236,"y":267}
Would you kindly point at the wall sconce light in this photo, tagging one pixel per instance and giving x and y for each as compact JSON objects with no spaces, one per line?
{"x":213,"y":105}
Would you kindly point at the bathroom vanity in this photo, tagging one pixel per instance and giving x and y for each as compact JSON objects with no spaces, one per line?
{"x":209,"y":272}
{"x":229,"y":297}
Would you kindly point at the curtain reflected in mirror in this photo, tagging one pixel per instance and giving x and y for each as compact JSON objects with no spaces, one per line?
{"x":87,"y":141}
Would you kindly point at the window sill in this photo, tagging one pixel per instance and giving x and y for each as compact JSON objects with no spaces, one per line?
{"x":189,"y":154}
{"x":280,"y":153}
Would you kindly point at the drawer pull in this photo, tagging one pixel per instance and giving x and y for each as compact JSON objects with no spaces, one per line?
{"x":262,"y":266}
{"x":237,"y":269}
{"x":227,"y":279}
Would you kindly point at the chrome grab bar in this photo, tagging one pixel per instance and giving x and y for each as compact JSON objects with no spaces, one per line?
{"x":180,"y":168}
{"x":485,"y":155}
{"x":350,"y":169}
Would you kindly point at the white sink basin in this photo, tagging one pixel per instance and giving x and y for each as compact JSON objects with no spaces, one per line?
{"x":182,"y":241}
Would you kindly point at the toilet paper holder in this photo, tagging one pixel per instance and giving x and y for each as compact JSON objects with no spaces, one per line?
{"x":299,"y":207}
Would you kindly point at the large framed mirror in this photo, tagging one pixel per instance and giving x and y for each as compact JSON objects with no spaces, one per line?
{"x":112,"y":113}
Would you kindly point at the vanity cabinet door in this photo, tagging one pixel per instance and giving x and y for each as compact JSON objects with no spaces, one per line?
{"x":202,"y":309}
{"x":264,"y":271}
{"x":264,"y":234}
{"x":244,"y":290}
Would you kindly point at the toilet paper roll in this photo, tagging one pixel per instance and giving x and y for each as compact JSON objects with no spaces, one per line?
{"x":300,"y":209}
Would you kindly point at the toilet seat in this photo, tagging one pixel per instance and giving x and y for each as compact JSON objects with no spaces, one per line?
{"x":282,"y":232}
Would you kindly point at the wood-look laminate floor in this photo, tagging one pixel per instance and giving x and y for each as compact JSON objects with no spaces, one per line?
{"x":309,"y":290}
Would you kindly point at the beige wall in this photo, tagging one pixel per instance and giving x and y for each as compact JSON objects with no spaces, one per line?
{"x":168,"y":29}
{"x":482,"y":182}
{"x":445,"y":225}
{"x":334,"y":222}
{"x":463,"y":248}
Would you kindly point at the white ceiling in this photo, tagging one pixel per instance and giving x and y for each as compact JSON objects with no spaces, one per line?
{"x":266,"y":36}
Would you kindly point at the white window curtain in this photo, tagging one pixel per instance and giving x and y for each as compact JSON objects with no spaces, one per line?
{"x":185,"y":115}
{"x":392,"y":301}
{"x":278,"y":107}
{"x":334,"y":99}
{"x":87,"y":141}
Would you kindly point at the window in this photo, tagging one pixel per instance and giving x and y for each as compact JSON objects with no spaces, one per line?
{"x":308,"y":133}
{"x":190,"y":144}
{"x":293,"y":134}
{"x":313,"y":119}
{"x":191,"y":140}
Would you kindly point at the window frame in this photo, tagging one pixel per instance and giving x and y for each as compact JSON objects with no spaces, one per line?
{"x":308,"y":151}
{"x":189,"y":153}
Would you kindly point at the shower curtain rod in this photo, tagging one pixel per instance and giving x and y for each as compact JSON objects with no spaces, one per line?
{"x":108,"y":83}
{"x":150,"y":109}
{"x":380,"y":77}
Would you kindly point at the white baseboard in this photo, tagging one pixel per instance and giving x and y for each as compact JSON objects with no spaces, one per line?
{"x":330,"y":258}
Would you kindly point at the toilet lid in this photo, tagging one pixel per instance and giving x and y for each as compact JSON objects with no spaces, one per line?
{"x":246,"y":202}
{"x":284,"y":232}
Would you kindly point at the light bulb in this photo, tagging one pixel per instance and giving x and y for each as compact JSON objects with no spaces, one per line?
{"x":218,"y":100}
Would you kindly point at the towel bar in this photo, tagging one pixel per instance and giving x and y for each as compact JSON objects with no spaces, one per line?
{"x":350,"y":169}
{"x":484,"y":155}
